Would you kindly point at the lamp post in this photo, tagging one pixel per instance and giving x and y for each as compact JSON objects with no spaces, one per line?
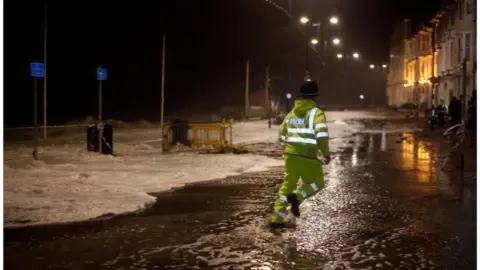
{"x":289,"y":97}
{"x":333,"y":20}
{"x":304,"y":20}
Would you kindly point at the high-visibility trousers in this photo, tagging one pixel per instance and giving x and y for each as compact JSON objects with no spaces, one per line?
{"x":296,"y":167}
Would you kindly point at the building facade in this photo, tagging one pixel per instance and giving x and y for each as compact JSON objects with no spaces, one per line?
{"x":422,"y":67}
{"x":433,"y":57}
{"x":396,"y":96}
{"x":455,"y":40}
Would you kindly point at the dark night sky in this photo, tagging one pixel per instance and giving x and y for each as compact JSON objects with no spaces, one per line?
{"x":207,"y":45}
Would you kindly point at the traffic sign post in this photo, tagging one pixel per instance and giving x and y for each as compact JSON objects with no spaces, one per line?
{"x":37,"y":70}
{"x":101,"y":76}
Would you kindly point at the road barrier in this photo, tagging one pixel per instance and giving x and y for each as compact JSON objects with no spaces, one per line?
{"x":211,"y":134}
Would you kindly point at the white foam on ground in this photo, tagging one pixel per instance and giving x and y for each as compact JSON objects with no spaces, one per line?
{"x":89,"y":185}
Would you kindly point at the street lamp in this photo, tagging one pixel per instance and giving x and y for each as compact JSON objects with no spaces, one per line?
{"x":384,"y":66}
{"x":289,"y":96}
{"x":372,"y":66}
{"x":356,"y":55}
{"x":333,"y":20}
{"x":362,"y":97}
{"x":336,"y":41}
{"x":304,"y":20}
{"x":339,"y":56}
{"x":314,"y":41}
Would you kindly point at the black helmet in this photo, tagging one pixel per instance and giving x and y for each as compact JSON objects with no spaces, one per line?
{"x":309,"y":89}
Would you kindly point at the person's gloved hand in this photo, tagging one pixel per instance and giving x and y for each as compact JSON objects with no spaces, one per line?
{"x":326,"y":159}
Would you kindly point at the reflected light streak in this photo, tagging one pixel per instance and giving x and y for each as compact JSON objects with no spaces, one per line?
{"x":370,"y":143}
{"x":424,"y":169}
{"x":383,"y":143}
{"x":354,"y":157}
{"x":333,"y":173}
{"x":408,"y":155}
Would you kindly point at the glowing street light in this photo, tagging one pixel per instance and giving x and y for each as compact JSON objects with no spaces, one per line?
{"x":304,"y":20}
{"x":336,"y":41}
{"x":333,"y":20}
{"x":339,"y":56}
{"x":289,"y":96}
{"x":372,"y":66}
{"x":356,"y":55}
{"x":314,"y":41}
{"x":384,"y":66}
{"x":362,"y":97}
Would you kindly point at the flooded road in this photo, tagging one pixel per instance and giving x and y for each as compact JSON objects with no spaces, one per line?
{"x":387,"y":205}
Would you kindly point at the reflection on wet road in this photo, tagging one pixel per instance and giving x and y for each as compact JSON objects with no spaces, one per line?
{"x":386,"y":206}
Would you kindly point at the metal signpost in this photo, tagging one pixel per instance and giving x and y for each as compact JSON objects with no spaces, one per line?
{"x":247,"y":89}
{"x":101,"y":76}
{"x":37,"y":70}
{"x":162,"y":94}
{"x":268,"y":103}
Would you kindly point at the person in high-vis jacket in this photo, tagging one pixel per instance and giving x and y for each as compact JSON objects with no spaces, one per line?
{"x":303,"y":133}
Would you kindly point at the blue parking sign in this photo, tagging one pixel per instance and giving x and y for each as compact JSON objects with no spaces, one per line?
{"x":101,"y":74}
{"x":37,"y":69}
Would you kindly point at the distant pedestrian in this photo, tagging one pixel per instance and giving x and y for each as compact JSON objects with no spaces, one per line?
{"x":441,"y":112}
{"x":455,"y":111}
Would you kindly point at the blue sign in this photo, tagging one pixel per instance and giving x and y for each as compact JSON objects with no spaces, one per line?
{"x":37,"y":70}
{"x":101,"y":74}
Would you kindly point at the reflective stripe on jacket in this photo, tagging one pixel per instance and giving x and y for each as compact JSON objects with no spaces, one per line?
{"x":304,"y":130}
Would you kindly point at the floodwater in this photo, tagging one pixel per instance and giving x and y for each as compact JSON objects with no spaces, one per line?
{"x":387,"y":205}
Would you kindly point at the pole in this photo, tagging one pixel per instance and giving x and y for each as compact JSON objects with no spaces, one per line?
{"x":266,"y":87}
{"x":269,"y":109}
{"x":163,"y":92}
{"x":474,"y":46}
{"x":35,"y":119}
{"x":268,"y":104}
{"x":320,"y":41}
{"x":464,"y":89}
{"x":306,"y":51}
{"x":432,"y":97}
{"x":100,"y":125}
{"x":45,"y":76}
{"x":247,"y":89}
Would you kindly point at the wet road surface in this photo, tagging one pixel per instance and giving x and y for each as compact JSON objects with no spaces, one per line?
{"x":387,"y":205}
